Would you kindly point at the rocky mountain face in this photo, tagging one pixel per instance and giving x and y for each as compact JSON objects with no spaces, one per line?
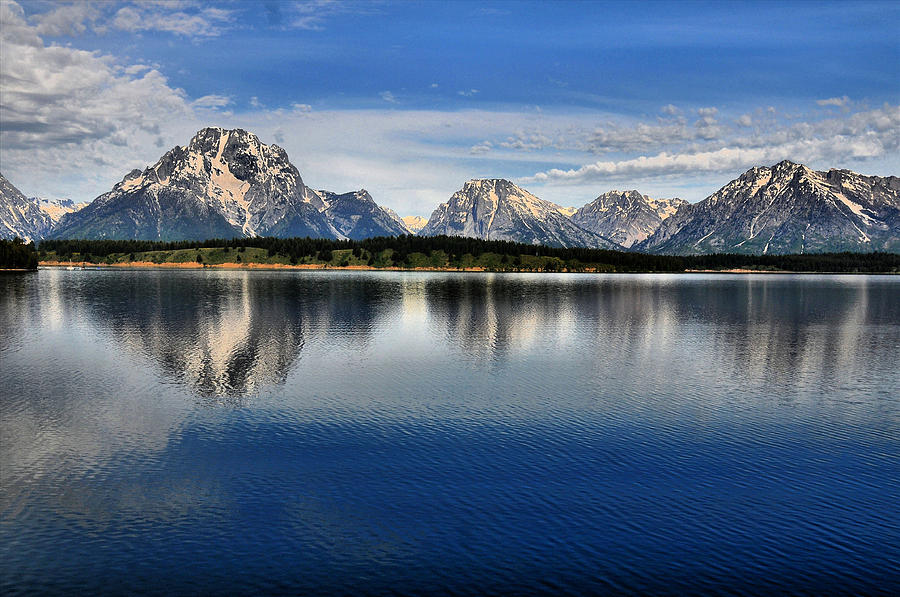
{"x":496,"y":209}
{"x":19,"y":215}
{"x":224,"y":183}
{"x":414,"y":223}
{"x":57,"y":208}
{"x":787,"y":208}
{"x":626,"y":217}
{"x":357,"y":216}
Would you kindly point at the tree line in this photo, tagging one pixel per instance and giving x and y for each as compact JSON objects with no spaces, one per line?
{"x":456,"y":248}
{"x":16,"y":254}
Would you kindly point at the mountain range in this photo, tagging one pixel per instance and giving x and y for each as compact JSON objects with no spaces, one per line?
{"x":227,"y":183}
{"x":496,"y":209}
{"x":787,"y":208}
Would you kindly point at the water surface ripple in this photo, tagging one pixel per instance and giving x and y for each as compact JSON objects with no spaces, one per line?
{"x":184,"y":432}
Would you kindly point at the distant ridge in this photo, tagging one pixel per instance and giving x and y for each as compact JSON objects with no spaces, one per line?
{"x":787,"y":208}
{"x":626,"y":217}
{"x":20,"y":216}
{"x":497,"y":209}
{"x":228,"y":184}
{"x":225,"y":184}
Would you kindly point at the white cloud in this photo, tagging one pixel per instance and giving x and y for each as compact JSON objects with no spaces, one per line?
{"x":864,"y":135}
{"x":838,"y":102}
{"x":528,"y":141}
{"x":483,"y":147}
{"x":72,"y":114}
{"x":467,"y":93}
{"x":66,"y":19}
{"x":191,"y":22}
{"x":670,"y":109}
{"x":745,"y":120}
{"x":211,"y":101}
{"x":312,"y":15}
{"x":136,"y":69}
{"x":388,"y":97}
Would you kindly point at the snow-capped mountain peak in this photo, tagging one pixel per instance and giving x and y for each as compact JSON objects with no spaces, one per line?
{"x":627,"y":217}
{"x":497,"y":209}
{"x":225,"y":182}
{"x":788,"y":208}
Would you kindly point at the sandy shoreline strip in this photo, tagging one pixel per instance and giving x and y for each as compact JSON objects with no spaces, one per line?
{"x":299,"y":266}
{"x":316,"y":266}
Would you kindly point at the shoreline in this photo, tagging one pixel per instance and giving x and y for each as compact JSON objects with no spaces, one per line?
{"x":322,"y":267}
{"x":249,"y":266}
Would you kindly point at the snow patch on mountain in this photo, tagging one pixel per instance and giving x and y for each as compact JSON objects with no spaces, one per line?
{"x":497,"y":209}
{"x":788,"y":208}
{"x":627,"y":217}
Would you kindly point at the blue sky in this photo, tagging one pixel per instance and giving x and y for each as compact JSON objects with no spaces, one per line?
{"x":409,"y":100}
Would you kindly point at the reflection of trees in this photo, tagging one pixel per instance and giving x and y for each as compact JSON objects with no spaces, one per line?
{"x":778,"y":328}
{"x":487,"y":316}
{"x":770,"y":327}
{"x":231,"y":333}
{"x":225,"y":333}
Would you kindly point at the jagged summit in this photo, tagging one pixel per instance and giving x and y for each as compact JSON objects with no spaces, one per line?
{"x":225,"y":183}
{"x":497,"y":209}
{"x":222,"y":183}
{"x":627,"y":217}
{"x":788,"y":208}
{"x":357,"y":216}
{"x":20,"y":216}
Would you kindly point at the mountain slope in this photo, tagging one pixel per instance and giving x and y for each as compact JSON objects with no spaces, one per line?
{"x":19,"y":215}
{"x":357,"y":216}
{"x":224,"y":183}
{"x":626,"y":217}
{"x":496,"y":209}
{"x":788,"y":208}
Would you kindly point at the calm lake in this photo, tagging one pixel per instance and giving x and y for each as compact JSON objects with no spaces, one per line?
{"x":185,"y":432}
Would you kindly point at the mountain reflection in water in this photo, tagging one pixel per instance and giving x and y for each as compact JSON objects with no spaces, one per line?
{"x":312,"y":432}
{"x":232,"y":333}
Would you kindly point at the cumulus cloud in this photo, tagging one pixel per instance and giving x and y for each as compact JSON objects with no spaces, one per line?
{"x":863,"y":135}
{"x":65,"y":109}
{"x":467,"y":92}
{"x":211,"y":101}
{"x":618,"y":137}
{"x":838,"y":102}
{"x":483,"y":147}
{"x":66,"y":19}
{"x":670,"y":110}
{"x":194,"y":22}
{"x":188,"y":18}
{"x":528,"y":141}
{"x":388,"y":97}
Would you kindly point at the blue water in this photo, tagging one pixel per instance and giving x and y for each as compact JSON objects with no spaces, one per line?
{"x":185,"y":432}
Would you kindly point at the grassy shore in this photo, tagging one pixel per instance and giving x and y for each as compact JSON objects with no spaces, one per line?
{"x":435,"y":253}
{"x":256,"y":258}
